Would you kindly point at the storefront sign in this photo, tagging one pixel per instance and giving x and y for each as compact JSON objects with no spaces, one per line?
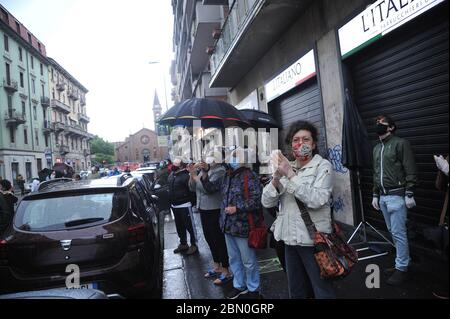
{"x":378,"y":20}
{"x":250,"y":102}
{"x":297,"y":73}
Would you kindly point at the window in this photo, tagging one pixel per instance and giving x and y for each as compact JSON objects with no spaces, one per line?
{"x":10,"y":103}
{"x":33,"y":86}
{"x":52,"y":76}
{"x":4,"y":15}
{"x":8,"y":74}
{"x":42,"y":69}
{"x":35,"y":112}
{"x":36,"y":136}
{"x":21,"y":80}
{"x":20,"y":54}
{"x":43,"y":89}
{"x":53,"y":93}
{"x":46,"y":140}
{"x":6,"y":41}
{"x":24,"y":110}
{"x":25,"y":136}
{"x":39,"y":164}
{"x":39,"y":47}
{"x":18,"y":27}
{"x":28,"y":171}
{"x":11,"y":134}
{"x":29,"y":37}
{"x":32,"y":62}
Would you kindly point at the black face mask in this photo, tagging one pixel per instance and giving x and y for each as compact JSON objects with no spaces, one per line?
{"x":382,"y":129}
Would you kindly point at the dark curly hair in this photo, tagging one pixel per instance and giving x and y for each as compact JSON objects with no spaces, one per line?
{"x":301,"y":125}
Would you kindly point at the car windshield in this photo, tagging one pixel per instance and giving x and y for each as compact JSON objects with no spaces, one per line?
{"x":68,"y":212}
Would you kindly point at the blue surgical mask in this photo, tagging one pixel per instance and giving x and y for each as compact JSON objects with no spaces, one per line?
{"x":234,"y":163}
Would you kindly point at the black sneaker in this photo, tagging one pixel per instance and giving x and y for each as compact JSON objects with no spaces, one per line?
{"x":253,"y":295}
{"x":389,"y":271}
{"x":180,"y":248}
{"x":235,"y":293}
{"x":397,"y":278}
{"x":191,"y":250}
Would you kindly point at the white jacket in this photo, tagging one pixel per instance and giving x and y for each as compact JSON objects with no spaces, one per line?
{"x":312,"y":185}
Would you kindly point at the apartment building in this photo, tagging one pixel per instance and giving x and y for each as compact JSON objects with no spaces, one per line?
{"x":24,"y":100}
{"x":297,"y":59}
{"x":68,"y":120}
{"x":196,"y":24}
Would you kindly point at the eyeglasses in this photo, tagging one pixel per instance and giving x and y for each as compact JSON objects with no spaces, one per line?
{"x":302,"y":140}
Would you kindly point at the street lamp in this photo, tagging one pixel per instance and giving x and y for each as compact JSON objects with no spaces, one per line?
{"x":164,"y":82}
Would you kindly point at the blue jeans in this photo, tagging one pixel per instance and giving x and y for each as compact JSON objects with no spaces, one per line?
{"x":243,"y":263}
{"x":303,"y":274}
{"x":394,"y":212}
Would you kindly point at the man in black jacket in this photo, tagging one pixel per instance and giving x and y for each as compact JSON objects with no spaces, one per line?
{"x":394,"y":180}
{"x":181,"y":202}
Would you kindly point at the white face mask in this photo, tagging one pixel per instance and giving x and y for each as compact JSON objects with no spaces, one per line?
{"x":209,"y":160}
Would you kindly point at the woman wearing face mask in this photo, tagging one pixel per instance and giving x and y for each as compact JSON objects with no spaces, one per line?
{"x":241,"y":195}
{"x":207,"y":184}
{"x":309,"y":178}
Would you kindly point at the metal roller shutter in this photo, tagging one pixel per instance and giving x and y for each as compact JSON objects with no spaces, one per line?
{"x":406,"y":75}
{"x":304,"y":103}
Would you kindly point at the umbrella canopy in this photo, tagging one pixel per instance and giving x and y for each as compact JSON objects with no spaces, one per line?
{"x":212,"y":113}
{"x":356,"y":146}
{"x":259,"y":119}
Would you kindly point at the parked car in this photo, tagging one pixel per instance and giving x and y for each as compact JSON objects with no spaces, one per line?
{"x":110,"y":228}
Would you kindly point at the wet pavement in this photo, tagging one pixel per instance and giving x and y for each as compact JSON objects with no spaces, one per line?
{"x":183,"y":274}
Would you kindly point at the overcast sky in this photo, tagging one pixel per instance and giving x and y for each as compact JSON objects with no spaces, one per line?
{"x":106,"y":45}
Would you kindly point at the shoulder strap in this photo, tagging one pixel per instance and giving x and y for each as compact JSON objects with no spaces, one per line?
{"x":444,"y":209}
{"x":306,"y":218}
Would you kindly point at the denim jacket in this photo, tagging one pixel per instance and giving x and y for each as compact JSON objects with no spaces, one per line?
{"x":233,"y":195}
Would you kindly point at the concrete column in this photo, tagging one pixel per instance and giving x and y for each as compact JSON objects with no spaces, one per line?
{"x":333,"y":104}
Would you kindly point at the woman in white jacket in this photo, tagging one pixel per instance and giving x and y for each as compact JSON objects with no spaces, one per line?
{"x":308,"y":178}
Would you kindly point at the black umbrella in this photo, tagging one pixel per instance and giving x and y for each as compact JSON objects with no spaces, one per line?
{"x":259,"y":119}
{"x":356,"y":146}
{"x":212,"y":113}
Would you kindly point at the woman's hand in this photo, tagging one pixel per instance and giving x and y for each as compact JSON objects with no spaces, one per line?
{"x":282,"y":165}
{"x":230,"y":210}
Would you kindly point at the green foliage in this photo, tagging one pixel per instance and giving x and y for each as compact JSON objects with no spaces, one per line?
{"x":101,"y":147}
{"x":99,"y":158}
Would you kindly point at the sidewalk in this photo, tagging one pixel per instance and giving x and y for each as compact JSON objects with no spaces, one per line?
{"x":183,"y":275}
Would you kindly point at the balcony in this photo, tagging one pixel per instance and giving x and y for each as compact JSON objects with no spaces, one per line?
{"x":61,"y":106}
{"x":73,"y":94}
{"x":45,"y":101}
{"x":13,"y":118}
{"x":75,"y":130}
{"x":61,"y":86}
{"x":63,"y":149}
{"x":47,"y":128}
{"x":59,"y":127}
{"x":208,"y":19}
{"x":11,"y":86}
{"x":250,"y":30}
{"x":83,"y":118}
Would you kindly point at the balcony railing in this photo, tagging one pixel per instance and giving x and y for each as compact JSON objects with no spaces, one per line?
{"x":45,"y":101}
{"x":64,"y":149}
{"x":75,"y":130}
{"x":84,"y":117}
{"x":10,"y":86}
{"x":47,"y":128}
{"x":59,"y":127}
{"x":60,"y":105}
{"x":13,"y":118}
{"x":60,"y":86}
{"x":238,"y":14}
{"x":73,"y":94}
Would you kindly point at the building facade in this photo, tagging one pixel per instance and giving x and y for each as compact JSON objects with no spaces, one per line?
{"x":196,"y":25}
{"x":296,"y":59}
{"x":140,"y":147}
{"x":24,"y":100}
{"x":68,"y":120}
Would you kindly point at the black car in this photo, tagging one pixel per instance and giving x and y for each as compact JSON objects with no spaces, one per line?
{"x":111,"y":229}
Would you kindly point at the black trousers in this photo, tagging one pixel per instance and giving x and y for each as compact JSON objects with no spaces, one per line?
{"x":214,"y":236}
{"x":183,"y":221}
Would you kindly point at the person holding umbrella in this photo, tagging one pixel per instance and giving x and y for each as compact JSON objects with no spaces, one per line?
{"x":394,"y":179}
